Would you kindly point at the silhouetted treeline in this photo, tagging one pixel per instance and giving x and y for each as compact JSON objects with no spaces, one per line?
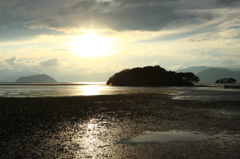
{"x":152,"y":76}
{"x":226,"y":80}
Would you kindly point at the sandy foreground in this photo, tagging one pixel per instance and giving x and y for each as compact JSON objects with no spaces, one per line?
{"x":98,"y":126}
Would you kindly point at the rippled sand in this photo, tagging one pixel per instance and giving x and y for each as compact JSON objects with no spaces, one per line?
{"x":95,"y":126}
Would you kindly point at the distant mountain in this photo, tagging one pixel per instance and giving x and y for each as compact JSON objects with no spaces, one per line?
{"x":212,"y":74}
{"x":194,"y":69}
{"x":41,"y":78}
{"x":197,"y":69}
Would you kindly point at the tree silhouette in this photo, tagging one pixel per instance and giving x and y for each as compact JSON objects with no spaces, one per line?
{"x":226,"y":80}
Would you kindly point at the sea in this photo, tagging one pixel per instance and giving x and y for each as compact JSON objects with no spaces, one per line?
{"x":206,"y":91}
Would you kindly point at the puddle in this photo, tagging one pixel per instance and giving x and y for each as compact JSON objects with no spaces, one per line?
{"x":219,"y":95}
{"x":153,"y":137}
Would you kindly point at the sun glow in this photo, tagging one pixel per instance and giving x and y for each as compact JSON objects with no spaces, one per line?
{"x":91,"y":45}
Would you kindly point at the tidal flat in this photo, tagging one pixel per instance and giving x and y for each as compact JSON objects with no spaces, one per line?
{"x":107,"y":126}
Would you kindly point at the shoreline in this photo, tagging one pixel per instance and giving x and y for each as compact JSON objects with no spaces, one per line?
{"x":92,"y":124}
{"x":46,"y":84}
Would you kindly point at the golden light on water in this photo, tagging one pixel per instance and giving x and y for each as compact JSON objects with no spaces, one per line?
{"x":91,"y":90}
{"x":90,"y":140}
{"x":91,"y":45}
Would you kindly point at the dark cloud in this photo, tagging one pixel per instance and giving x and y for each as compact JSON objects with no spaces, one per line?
{"x":85,"y":4}
{"x":227,"y":2}
{"x":16,"y":16}
{"x":234,"y":27}
{"x":50,"y":62}
{"x":11,"y":61}
{"x":125,"y":2}
{"x":144,"y":17}
{"x":118,"y":15}
{"x":4,"y":3}
{"x":29,"y":11}
{"x":150,"y":15}
{"x":21,"y":32}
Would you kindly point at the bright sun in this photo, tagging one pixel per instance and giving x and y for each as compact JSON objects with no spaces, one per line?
{"x":91,"y":45}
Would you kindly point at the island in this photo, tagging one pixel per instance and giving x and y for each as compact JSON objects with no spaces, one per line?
{"x":152,"y":76}
{"x":40,"y":78}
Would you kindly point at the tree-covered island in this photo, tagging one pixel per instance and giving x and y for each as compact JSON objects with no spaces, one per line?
{"x":152,"y":76}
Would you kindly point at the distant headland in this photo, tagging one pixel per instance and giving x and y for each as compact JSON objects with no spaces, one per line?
{"x":152,"y":76}
{"x":40,"y":78}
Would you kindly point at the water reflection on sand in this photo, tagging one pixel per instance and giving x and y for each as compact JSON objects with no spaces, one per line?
{"x":100,"y":138}
{"x":91,"y":138}
{"x":118,"y":127}
{"x":153,"y":137}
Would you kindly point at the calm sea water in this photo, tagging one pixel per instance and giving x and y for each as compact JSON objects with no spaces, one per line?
{"x":214,"y":92}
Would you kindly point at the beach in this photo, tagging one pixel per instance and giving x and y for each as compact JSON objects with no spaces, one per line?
{"x":102,"y":127}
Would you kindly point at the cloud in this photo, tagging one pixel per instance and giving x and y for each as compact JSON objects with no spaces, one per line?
{"x":51,"y":62}
{"x":122,"y":15}
{"x":180,"y":66}
{"x":228,"y":2}
{"x":228,"y":62}
{"x":61,"y":50}
{"x":4,"y":3}
{"x":168,"y":37}
{"x":143,"y":17}
{"x":11,"y":61}
{"x":206,"y":38}
{"x":29,"y":11}
{"x":129,"y":2}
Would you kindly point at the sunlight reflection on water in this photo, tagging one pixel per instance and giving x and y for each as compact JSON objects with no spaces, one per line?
{"x":87,"y":139}
{"x":149,"y":136}
{"x":76,"y":89}
{"x":91,"y":90}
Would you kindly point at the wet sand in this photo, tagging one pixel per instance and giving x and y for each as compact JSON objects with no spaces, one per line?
{"x":94,"y":126}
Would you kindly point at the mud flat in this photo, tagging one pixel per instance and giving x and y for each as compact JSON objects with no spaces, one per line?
{"x":118,"y":126}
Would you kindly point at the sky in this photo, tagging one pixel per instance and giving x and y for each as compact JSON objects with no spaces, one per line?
{"x":90,"y":40}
